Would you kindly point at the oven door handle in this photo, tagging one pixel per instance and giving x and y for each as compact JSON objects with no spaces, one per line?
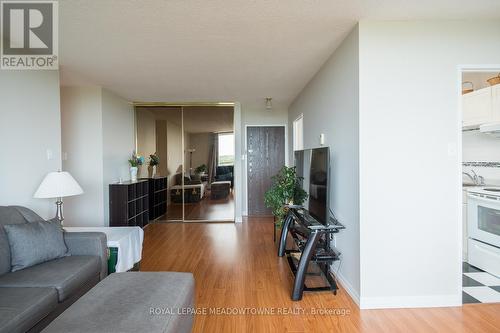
{"x":484,"y":198}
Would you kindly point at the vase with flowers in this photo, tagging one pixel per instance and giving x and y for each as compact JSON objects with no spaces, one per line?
{"x":154,"y":161}
{"x":135,"y":162}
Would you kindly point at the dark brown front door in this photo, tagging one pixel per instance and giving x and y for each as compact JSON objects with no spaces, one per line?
{"x":265,"y":157}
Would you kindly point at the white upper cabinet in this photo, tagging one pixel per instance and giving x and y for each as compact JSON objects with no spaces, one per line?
{"x":495,"y":96}
{"x":477,"y":106}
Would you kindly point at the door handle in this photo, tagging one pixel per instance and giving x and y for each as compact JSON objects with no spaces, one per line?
{"x":482,"y":198}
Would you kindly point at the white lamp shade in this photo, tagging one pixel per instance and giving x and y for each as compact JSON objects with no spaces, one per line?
{"x":57,"y":185}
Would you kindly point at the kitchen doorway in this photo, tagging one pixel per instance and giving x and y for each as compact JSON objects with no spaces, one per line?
{"x":480,"y":106}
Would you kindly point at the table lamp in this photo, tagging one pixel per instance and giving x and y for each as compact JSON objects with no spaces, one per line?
{"x":58,"y":185}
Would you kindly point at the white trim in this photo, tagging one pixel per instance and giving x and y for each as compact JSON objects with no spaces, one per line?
{"x":478,"y":68}
{"x":459,"y":138}
{"x":348,"y":287}
{"x":300,"y":117}
{"x":411,"y":301}
{"x":238,"y":164}
{"x":244,"y":157}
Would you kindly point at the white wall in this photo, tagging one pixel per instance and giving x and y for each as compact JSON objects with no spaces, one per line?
{"x":187,"y":145}
{"x":161,"y":148}
{"x":30,"y":124}
{"x":202,"y":143}
{"x":410,"y":163}
{"x":97,"y":139}
{"x":146,"y":136}
{"x":174,"y":149}
{"x":330,"y":105}
{"x":82,"y":137}
{"x":118,"y":142}
{"x":253,"y":114}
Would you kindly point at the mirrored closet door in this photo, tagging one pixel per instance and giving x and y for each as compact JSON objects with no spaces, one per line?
{"x":194,"y":148}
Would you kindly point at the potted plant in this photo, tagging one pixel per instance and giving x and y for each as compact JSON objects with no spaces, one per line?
{"x":201,"y":169}
{"x":285,"y":190}
{"x":154,"y":161}
{"x":135,"y":162}
{"x":198,"y":171}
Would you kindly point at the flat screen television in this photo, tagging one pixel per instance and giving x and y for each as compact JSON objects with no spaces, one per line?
{"x":313,"y":165}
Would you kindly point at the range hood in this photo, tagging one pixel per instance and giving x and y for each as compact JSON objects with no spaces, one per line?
{"x":492,"y":129}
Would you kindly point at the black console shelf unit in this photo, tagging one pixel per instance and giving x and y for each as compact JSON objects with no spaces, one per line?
{"x":157,"y":196}
{"x":312,"y":245}
{"x":129,"y":204}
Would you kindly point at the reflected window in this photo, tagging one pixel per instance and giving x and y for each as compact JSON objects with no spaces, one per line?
{"x":226,"y":149}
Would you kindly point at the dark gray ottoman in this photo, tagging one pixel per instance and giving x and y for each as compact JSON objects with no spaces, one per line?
{"x":220,"y":189}
{"x":132,"y":302}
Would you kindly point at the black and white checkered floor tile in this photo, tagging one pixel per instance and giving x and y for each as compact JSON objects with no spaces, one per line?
{"x":479,"y":286}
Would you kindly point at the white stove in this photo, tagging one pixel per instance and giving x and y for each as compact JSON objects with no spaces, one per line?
{"x":483,"y":226}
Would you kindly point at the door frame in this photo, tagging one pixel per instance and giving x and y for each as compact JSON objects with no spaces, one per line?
{"x":460,"y":69}
{"x":245,"y":156}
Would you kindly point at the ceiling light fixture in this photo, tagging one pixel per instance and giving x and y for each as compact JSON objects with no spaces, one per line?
{"x":269,"y":103}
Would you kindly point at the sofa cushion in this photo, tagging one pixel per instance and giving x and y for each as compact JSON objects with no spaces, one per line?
{"x":4,"y":252}
{"x":11,"y":215}
{"x":22,"y":308}
{"x":34,"y":243}
{"x":225,"y":177}
{"x":66,"y":274}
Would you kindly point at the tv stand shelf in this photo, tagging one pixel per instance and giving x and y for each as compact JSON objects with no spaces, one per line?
{"x":312,"y":247}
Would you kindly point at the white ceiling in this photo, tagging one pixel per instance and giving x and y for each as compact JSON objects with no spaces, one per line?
{"x":214,"y":50}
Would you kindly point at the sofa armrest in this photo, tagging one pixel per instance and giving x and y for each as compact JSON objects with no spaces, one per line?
{"x":89,"y":244}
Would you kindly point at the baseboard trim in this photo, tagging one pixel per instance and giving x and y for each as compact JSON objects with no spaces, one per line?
{"x":238,"y":219}
{"x":348,"y":287}
{"x":410,"y":302}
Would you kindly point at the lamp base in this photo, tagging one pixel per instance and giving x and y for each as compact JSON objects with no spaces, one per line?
{"x":59,"y":211}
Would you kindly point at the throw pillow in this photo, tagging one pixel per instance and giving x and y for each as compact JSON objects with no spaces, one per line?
{"x":35,"y":242}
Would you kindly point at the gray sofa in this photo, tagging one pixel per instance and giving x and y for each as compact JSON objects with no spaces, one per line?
{"x":32,"y":297}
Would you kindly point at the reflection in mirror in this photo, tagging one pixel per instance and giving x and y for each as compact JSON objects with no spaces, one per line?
{"x":195,"y":149}
{"x":209,"y":156}
{"x":159,"y":130}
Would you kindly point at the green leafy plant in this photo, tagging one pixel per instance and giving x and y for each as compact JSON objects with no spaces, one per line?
{"x":136,"y":160}
{"x":201,"y":169}
{"x":285,"y":190}
{"x":154,"y":160}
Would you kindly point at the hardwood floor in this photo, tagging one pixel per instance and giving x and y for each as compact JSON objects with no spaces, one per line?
{"x":206,"y":209}
{"x":236,"y":266}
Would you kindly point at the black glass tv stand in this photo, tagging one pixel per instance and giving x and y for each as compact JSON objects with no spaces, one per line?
{"x":312,"y":245}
